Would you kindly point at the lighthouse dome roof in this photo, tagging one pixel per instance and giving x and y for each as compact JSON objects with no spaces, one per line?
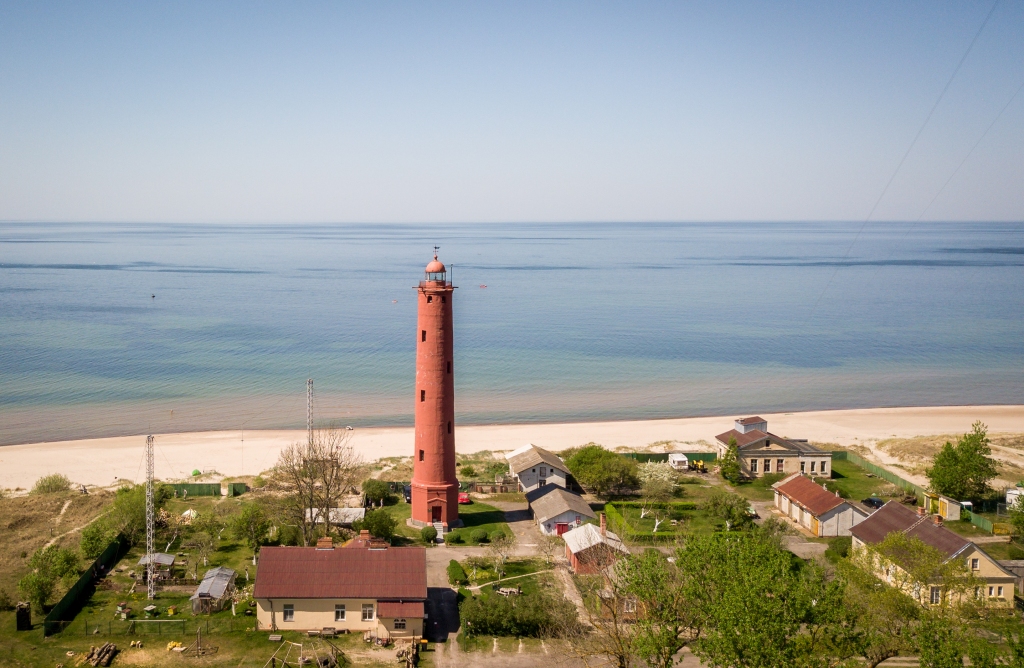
{"x":435,"y":266}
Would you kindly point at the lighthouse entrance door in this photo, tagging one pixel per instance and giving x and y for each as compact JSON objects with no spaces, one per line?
{"x":435,"y":513}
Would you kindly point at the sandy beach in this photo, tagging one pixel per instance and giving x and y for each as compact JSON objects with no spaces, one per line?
{"x":105,"y":461}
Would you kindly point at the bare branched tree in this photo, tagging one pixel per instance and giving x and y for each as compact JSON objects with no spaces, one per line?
{"x":606,"y":632}
{"x":315,"y":475}
{"x":500,"y":550}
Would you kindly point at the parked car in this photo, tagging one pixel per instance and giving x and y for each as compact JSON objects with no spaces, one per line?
{"x":407,"y":493}
{"x":873,"y":502}
{"x":464,"y":498}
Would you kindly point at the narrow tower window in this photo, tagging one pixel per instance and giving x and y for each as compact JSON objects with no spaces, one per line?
{"x":449,"y":427}
{"x":449,"y":367}
{"x":423,"y":395}
{"x":443,"y":299}
{"x":429,"y":299}
{"x":423,"y":335}
{"x":421,"y":455}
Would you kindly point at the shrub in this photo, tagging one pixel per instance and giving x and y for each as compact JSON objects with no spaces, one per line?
{"x":258,"y":482}
{"x":468,"y":471}
{"x":478,"y":536}
{"x":380,"y":523}
{"x":455,"y":538}
{"x":456,"y":574}
{"x":48,"y":484}
{"x":5,"y":601}
{"x":428,"y":534}
{"x":838,"y":548}
{"x":497,"y":535}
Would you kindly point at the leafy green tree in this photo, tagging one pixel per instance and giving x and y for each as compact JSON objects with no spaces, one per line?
{"x":1017,"y":516}
{"x":128,"y":513}
{"x":602,"y":471}
{"x":377,"y":492}
{"x":456,"y":574}
{"x":380,"y":523}
{"x":49,"y":566}
{"x":886,"y":618}
{"x":728,"y":506}
{"x":748,"y":598}
{"x":963,"y":471}
{"x":253,"y":526}
{"x":428,"y":534}
{"x":941,"y":642}
{"x":663,"y":624}
{"x":729,"y":466}
{"x":95,"y":538}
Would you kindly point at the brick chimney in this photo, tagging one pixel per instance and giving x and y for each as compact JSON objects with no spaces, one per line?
{"x":325,"y":543}
{"x":365,"y":534}
{"x":604,"y":524}
{"x":921,"y":511}
{"x":937,"y":519}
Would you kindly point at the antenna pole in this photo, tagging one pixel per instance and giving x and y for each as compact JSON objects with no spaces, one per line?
{"x":150,"y":566}
{"x":309,"y":410}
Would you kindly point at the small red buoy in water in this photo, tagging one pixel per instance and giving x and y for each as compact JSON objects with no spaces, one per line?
{"x":482,"y":286}
{"x":394,"y":301}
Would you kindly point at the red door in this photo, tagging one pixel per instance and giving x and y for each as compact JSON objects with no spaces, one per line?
{"x":561,"y":527}
{"x":435,"y":513}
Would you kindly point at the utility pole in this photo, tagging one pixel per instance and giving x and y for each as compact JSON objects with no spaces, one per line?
{"x":150,"y":566}
{"x":309,"y":410}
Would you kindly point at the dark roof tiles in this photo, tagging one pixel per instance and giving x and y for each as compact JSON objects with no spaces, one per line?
{"x":894,"y":516}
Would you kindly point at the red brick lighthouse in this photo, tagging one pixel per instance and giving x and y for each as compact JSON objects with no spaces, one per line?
{"x":435,"y":490}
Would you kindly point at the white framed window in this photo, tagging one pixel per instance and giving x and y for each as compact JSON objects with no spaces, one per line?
{"x":753,"y":466}
{"x":289,"y":612}
{"x":399,"y":624}
{"x":803,"y":467}
{"x":339,"y":613}
{"x":999,"y":592}
{"x":991,"y":590}
{"x":779,"y":465}
{"x":812,"y":467}
{"x":629,"y":605}
{"x":767,"y":466}
{"x":975,"y":564}
{"x":824,"y":466}
{"x":367,"y":612}
{"x":936,"y":597}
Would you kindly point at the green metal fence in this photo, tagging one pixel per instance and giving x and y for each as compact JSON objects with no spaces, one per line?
{"x":197,"y":488}
{"x":237,"y":488}
{"x":80,"y":592}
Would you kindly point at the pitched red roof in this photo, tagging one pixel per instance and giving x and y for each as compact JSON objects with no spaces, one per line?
{"x":306,"y":572}
{"x":395,"y":609}
{"x":894,"y":516}
{"x":811,"y":496}
{"x":752,"y":420}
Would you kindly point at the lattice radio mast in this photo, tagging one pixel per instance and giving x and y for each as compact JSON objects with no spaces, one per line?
{"x":150,"y":566}
{"x":309,"y":410}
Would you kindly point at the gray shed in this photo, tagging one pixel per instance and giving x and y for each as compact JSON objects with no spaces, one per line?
{"x":214,"y":591}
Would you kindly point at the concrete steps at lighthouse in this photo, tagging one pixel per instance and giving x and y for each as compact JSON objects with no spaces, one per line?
{"x":440,"y":531}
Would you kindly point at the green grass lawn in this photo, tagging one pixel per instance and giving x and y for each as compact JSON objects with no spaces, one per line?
{"x":687,"y":521}
{"x":853,"y":482}
{"x":479,"y":516}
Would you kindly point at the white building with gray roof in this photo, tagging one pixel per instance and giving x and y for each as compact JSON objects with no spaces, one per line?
{"x":536,"y":467}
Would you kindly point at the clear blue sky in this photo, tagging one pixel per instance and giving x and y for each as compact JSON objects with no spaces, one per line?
{"x":507,"y":111}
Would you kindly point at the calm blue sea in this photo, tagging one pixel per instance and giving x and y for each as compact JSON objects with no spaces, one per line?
{"x":123,"y":329}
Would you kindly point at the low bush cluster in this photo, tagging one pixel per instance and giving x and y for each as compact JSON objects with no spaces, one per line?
{"x":428,"y":534}
{"x":531,"y":616}
{"x":48,"y":484}
{"x":457,"y":574}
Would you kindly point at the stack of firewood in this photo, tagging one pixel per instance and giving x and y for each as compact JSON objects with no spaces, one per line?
{"x":101,"y":656}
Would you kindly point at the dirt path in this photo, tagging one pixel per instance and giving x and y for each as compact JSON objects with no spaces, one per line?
{"x":54,"y":540}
